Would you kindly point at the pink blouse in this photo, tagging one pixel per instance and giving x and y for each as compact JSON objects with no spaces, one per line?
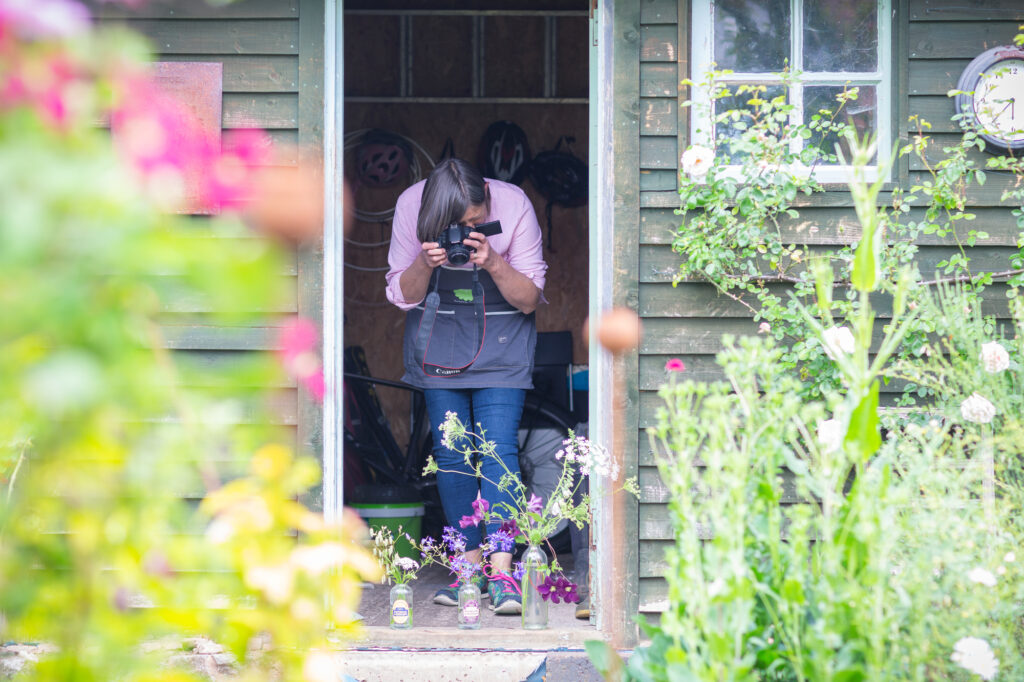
{"x":520,"y":242}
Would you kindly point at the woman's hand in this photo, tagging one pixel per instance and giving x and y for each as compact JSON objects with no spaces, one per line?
{"x":432,"y":255}
{"x":483,"y":257}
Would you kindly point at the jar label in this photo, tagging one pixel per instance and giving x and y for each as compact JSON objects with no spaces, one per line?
{"x":471,"y":611}
{"x":400,"y":612}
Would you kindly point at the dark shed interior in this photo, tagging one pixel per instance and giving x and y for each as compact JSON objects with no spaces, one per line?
{"x":439,"y":70}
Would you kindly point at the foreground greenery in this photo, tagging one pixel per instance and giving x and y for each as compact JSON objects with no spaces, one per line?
{"x":818,"y":534}
{"x":143,"y":502}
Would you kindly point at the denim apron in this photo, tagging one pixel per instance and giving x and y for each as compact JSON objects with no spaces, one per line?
{"x":475,"y":339}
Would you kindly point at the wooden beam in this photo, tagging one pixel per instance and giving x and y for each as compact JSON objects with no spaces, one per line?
{"x":311,"y":154}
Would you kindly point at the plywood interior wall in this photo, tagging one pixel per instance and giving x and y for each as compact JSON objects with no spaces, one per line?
{"x":514,"y":50}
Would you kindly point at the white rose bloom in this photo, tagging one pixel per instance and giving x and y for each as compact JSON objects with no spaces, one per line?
{"x":830,"y":435}
{"x":696,"y":161}
{"x":982,"y":576}
{"x":976,"y":656}
{"x":994,"y":357}
{"x":977,"y":409}
{"x":838,"y":340}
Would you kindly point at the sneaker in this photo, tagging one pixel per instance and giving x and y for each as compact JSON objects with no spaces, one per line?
{"x":449,"y":596}
{"x":505,"y":595}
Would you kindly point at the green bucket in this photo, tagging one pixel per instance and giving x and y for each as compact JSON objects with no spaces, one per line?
{"x":395,"y":507}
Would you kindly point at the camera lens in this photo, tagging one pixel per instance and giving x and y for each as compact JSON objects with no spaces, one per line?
{"x":458,"y":254}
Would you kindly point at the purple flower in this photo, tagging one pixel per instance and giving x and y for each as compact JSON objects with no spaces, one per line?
{"x":548,"y":589}
{"x":517,"y":571}
{"x":567,"y":590}
{"x":502,"y":541}
{"x":455,"y":540}
{"x":464,"y":569}
{"x":511,"y":527}
{"x":480,"y":507}
{"x":535,"y":504}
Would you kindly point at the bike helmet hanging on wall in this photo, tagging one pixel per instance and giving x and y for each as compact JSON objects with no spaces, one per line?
{"x":382,"y":159}
{"x":504,"y":153}
{"x":561,"y":178}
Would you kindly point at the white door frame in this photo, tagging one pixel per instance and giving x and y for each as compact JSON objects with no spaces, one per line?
{"x":601,"y":221}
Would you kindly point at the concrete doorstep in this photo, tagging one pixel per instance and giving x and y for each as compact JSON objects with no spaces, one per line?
{"x":466,"y":666}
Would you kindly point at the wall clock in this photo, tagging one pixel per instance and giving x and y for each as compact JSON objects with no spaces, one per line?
{"x":992,"y":98}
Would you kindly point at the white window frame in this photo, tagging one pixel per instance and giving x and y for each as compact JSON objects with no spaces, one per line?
{"x":702,"y":61}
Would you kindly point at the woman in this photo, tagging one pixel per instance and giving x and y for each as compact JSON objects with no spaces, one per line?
{"x":469,"y":333}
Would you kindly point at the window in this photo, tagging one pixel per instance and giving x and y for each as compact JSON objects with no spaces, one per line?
{"x":828,"y":44}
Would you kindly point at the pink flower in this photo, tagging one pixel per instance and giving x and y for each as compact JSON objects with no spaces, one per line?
{"x":297,"y":348}
{"x":675,"y":365}
{"x":182,"y":162}
{"x":41,"y":19}
{"x":535,"y":504}
{"x":232,"y":174}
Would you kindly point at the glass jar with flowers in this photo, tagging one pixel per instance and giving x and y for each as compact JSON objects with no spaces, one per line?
{"x":530,"y":520}
{"x":450,"y":553}
{"x":398,"y":571}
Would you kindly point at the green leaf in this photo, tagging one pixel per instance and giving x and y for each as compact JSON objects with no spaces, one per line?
{"x":604,"y":658}
{"x":862,"y":436}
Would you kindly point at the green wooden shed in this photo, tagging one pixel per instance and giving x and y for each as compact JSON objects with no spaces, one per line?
{"x":608,"y":72}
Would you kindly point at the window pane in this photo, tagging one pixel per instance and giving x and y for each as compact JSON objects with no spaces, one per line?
{"x":861,"y":113}
{"x":751,"y":35}
{"x":840,"y":35}
{"x":732,"y":129}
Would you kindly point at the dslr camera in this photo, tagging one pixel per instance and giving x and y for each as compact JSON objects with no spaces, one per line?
{"x":451,"y":238}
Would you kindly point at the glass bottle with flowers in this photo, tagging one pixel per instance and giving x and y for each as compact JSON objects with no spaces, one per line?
{"x":398,"y":570}
{"x":530,"y":520}
{"x":450,"y":553}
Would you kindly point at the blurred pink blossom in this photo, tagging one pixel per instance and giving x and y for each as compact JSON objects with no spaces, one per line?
{"x":42,"y":19}
{"x":180,"y":159}
{"x":297,"y":348}
{"x":675,"y":365}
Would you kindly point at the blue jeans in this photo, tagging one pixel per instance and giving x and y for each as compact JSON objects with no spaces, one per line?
{"x":497,"y":411}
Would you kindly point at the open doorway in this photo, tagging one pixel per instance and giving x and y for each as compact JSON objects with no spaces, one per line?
{"x":435,"y":76}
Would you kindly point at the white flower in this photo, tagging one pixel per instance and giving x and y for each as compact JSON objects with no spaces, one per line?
{"x":220,"y":531}
{"x":830,"y":435}
{"x":275,"y":582}
{"x":696,"y":161}
{"x":1009,"y":558}
{"x":315,"y":559}
{"x":976,"y":656}
{"x":838,"y":340}
{"x":994,"y":357}
{"x":764,"y":328}
{"x":977,"y":409}
{"x":319,"y":666}
{"x":982,"y":576}
{"x":406,"y":564}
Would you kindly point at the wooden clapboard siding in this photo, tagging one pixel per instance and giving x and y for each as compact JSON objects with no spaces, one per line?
{"x":664,"y":48}
{"x":272,"y":56}
{"x":933,"y":41}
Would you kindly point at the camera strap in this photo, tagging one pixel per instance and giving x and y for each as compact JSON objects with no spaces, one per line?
{"x":426,"y":328}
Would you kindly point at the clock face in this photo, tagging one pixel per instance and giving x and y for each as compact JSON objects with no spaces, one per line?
{"x":999,"y":100}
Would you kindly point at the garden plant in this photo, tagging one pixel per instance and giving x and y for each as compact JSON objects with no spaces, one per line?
{"x":143,"y":502}
{"x":819,"y":533}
